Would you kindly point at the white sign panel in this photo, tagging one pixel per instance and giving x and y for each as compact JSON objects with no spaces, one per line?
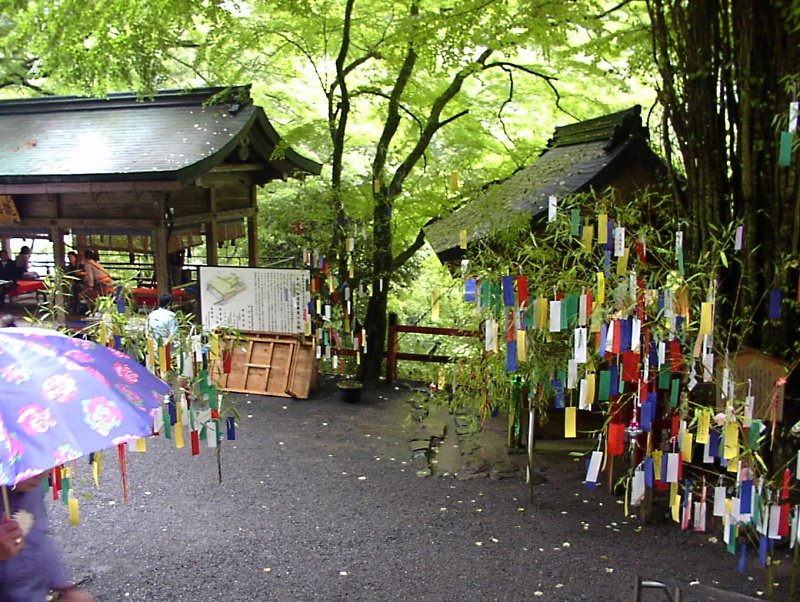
{"x":257,"y":299}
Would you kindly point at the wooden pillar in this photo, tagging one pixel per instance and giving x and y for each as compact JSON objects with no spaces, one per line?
{"x":161,"y":260}
{"x":252,"y":241}
{"x":59,"y":257}
{"x":212,"y":253}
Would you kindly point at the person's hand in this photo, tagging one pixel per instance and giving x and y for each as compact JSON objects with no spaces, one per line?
{"x":11,"y":539}
{"x":76,"y":595}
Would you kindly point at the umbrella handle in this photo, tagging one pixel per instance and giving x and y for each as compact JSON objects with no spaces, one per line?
{"x":6,"y":504}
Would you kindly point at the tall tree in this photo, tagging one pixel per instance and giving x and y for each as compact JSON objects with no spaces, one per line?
{"x":728,"y":70}
{"x":412,"y":91}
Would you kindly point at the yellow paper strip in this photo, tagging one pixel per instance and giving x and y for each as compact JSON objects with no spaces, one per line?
{"x":602,"y":229}
{"x":213,"y":348}
{"x":177,"y":428}
{"x":141,"y":444}
{"x":622,"y":263}
{"x":675,"y":502}
{"x":570,"y":431}
{"x":74,"y":512}
{"x":454,"y":180}
{"x":542,"y":312}
{"x":703,"y":423}
{"x":657,"y":464}
{"x":103,"y":333}
{"x":521,"y":351}
{"x":706,"y":313}
{"x":588,"y":238}
{"x":686,"y":447}
{"x":162,"y":359}
{"x":731,"y":440}
{"x":462,"y":239}
{"x":601,"y":287}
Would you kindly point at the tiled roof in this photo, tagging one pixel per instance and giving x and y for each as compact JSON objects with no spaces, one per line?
{"x":174,"y":136}
{"x":578,"y":156}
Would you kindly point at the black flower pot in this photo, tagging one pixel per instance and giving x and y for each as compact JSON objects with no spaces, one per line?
{"x":350,"y":390}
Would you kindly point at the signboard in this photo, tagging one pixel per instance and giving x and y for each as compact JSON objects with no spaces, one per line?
{"x":255,"y":299}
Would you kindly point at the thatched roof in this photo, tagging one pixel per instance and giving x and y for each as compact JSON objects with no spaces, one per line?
{"x":579,"y":157}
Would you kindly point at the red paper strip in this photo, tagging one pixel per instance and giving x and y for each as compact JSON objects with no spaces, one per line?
{"x":675,"y":356}
{"x":783,"y":526}
{"x":616,"y":439}
{"x":195,"y":436}
{"x":123,"y":467}
{"x":630,"y":365}
{"x":522,"y":290}
{"x":227,"y":361}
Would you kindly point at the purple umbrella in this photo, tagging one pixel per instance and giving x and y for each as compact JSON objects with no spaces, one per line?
{"x":62,"y":398}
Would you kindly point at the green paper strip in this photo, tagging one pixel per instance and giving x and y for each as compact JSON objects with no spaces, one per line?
{"x":732,"y":539}
{"x":203,"y":434}
{"x":167,"y":426}
{"x":575,"y":222}
{"x":673,"y":393}
{"x":755,"y":433}
{"x":604,"y":389}
{"x":663,"y":379}
{"x":785,"y":153}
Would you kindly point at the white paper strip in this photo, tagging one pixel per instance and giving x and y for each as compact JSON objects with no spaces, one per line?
{"x":636,"y":334}
{"x":619,"y":241}
{"x":774,"y":521}
{"x":582,"y":303}
{"x":555,"y":316}
{"x":637,"y":487}
{"x":700,"y":516}
{"x":572,"y":374}
{"x":552,"y":208}
{"x":673,"y":461}
{"x":719,"y":501}
{"x":584,"y":403}
{"x":490,"y":338}
{"x":594,"y":466}
{"x":579,"y":347}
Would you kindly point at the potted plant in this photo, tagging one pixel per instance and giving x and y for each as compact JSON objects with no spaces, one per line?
{"x":350,"y":390}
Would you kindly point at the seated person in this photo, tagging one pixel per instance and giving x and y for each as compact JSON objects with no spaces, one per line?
{"x":96,"y":277}
{"x":162,"y":322}
{"x":23,"y":265}
{"x":74,"y":269}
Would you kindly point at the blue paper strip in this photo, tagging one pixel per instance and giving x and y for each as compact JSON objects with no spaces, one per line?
{"x":614,"y":384}
{"x":649,"y":474}
{"x":558,"y":390}
{"x":508,"y":291}
{"x":775,"y":304}
{"x":231,"y":427}
{"x":713,"y":443}
{"x":470,"y":290}
{"x":746,"y":498}
{"x":743,"y":557}
{"x":511,"y":356}
{"x":763,"y":550}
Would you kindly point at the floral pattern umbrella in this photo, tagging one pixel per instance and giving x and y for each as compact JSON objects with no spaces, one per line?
{"x":63,"y":397}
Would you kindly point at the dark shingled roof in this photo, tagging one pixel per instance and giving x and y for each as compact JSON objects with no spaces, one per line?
{"x":174,"y":136}
{"x":578,"y":157}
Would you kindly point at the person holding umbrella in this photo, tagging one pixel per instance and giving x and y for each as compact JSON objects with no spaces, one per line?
{"x":62,"y":398}
{"x":31,"y":565}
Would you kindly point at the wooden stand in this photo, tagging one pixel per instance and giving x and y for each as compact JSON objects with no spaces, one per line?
{"x":271,"y":363}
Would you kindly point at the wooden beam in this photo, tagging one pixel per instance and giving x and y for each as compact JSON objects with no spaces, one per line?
{"x":89,"y":187}
{"x":212,"y":253}
{"x":252,"y":240}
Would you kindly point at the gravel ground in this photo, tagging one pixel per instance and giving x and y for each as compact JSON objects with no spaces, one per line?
{"x":320,"y":501}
